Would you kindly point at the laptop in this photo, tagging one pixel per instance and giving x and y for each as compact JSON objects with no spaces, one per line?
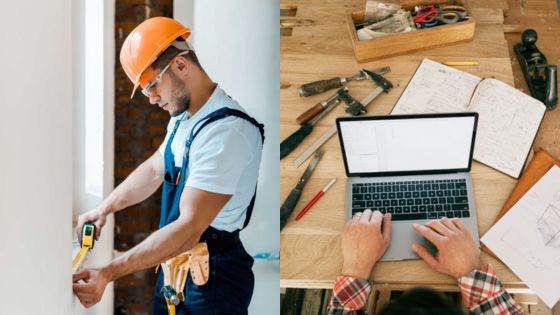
{"x":415,"y":167}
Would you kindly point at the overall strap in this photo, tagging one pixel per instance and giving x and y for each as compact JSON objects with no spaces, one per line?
{"x":171,"y":137}
{"x":214,"y":116}
{"x":220,"y":114}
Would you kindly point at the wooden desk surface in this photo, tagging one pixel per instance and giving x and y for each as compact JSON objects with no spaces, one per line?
{"x":318,"y":48}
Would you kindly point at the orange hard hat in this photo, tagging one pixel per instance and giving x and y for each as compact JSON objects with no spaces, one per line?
{"x":145,"y":43}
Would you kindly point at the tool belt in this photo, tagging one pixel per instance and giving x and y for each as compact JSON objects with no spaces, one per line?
{"x":176,"y":270}
{"x":197,"y":262}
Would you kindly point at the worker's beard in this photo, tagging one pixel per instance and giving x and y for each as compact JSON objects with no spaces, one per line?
{"x":182,"y":103}
{"x":181,"y":95}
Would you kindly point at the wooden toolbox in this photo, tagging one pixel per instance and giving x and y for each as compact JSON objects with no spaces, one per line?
{"x":402,"y":43}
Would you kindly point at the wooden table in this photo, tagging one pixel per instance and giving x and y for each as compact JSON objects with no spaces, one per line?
{"x":315,"y":45}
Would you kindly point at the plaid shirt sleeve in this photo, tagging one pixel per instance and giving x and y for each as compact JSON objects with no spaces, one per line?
{"x":483,"y":293}
{"x":350,"y":296}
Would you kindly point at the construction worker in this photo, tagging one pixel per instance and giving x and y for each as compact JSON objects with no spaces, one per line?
{"x":208,"y":164}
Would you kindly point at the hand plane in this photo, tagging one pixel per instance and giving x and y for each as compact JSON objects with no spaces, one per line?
{"x":541,"y":77}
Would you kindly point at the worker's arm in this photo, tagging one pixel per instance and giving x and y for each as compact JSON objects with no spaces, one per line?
{"x":483,"y":293}
{"x":365,"y":239}
{"x":459,"y":257}
{"x":198,"y":208}
{"x":138,"y":186}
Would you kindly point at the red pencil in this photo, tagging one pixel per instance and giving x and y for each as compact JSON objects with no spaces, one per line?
{"x":316,"y":198}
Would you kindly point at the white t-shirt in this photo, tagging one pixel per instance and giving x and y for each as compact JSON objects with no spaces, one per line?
{"x":224,"y":157}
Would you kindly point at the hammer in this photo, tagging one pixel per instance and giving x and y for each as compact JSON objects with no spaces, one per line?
{"x":321,"y":86}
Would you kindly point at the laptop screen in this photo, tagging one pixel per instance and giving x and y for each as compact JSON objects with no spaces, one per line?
{"x":407,"y":144}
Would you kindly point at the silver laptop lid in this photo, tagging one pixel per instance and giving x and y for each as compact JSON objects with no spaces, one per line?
{"x":407,"y":144}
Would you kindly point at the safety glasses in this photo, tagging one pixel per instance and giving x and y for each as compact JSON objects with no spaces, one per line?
{"x":153,"y":83}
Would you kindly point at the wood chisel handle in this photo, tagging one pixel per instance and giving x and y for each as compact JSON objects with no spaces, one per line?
{"x":310,"y":113}
{"x":290,"y":143}
{"x":319,"y":86}
{"x":288,"y":206}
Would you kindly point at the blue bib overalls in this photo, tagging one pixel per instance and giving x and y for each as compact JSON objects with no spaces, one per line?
{"x":230,"y":285}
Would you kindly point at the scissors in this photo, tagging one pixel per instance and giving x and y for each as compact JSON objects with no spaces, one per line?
{"x":426,"y":15}
{"x":431,"y":15}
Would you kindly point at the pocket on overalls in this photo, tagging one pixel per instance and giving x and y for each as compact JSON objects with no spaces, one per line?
{"x":169,"y":179}
{"x":235,"y":281}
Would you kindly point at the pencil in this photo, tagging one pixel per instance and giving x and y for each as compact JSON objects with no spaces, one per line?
{"x":460,"y":63}
{"x":316,"y":198}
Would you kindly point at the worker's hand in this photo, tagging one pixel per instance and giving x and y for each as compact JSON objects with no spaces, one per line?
{"x":97,"y":217}
{"x":365,"y":239}
{"x":90,"y":291}
{"x":457,"y":253}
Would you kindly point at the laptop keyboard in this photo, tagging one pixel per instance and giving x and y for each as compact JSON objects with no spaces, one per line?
{"x":413,"y":200}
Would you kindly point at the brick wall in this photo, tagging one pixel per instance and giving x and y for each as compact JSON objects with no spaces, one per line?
{"x":139,"y":130}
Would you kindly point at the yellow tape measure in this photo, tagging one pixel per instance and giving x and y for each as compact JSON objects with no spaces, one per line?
{"x":88,"y":239}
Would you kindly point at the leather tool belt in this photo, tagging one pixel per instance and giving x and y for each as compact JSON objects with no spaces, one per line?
{"x":197,"y":262}
{"x":176,"y":270}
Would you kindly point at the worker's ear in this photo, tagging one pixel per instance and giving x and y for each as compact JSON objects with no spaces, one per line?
{"x":182,"y":64}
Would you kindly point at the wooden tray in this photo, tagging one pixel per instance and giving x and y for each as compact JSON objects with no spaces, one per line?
{"x":402,"y":43}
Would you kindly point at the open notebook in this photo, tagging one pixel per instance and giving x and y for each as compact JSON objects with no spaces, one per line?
{"x":508,"y":119}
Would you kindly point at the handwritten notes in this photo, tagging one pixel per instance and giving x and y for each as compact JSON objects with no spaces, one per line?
{"x":436,"y":88}
{"x":508,"y":118}
{"x":527,"y":238}
{"x":508,"y":122}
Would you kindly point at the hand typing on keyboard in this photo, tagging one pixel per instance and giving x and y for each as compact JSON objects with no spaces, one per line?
{"x":365,"y":239}
{"x":413,"y":200}
{"x":457,"y":253}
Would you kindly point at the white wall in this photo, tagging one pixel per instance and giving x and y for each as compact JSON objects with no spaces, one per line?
{"x":238,"y":44}
{"x":35,"y":157}
{"x":83,"y":200}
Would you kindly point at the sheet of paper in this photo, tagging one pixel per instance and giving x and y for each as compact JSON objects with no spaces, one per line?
{"x":527,"y":238}
{"x":508,"y":122}
{"x":436,"y":88}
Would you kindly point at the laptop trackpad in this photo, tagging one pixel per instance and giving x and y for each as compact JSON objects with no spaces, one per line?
{"x":403,"y":236}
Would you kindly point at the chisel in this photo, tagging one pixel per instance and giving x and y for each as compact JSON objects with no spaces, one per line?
{"x":318,"y":108}
{"x":292,"y":199}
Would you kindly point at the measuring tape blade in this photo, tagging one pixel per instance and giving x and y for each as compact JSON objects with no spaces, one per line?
{"x":79,"y":258}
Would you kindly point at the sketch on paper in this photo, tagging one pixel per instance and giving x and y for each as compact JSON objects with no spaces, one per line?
{"x":549,"y":226}
{"x":527,"y":237}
